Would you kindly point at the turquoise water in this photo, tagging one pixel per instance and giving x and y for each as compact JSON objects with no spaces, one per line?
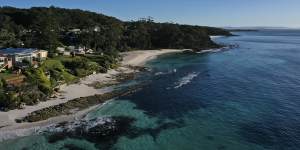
{"x":237,"y":99}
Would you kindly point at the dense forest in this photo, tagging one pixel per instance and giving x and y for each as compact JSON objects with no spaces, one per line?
{"x":47,"y":28}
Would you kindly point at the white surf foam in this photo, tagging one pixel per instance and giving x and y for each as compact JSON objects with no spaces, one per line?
{"x":164,"y":73}
{"x":71,"y":126}
{"x":186,"y":80}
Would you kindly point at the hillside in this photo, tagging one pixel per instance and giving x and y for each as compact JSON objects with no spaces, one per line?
{"x":48,"y":28}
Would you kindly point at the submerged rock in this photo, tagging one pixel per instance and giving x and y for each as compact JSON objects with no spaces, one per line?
{"x":99,"y":130}
{"x":103,"y":132}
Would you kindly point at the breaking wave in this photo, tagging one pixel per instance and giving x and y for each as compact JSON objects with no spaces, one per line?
{"x":83,"y":124}
{"x":186,"y":80}
{"x":219,"y":49}
{"x":164,"y":73}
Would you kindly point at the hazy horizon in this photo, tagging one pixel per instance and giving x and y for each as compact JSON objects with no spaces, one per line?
{"x":218,"y":13}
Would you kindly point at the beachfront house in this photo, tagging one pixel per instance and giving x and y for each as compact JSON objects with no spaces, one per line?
{"x":19,"y":55}
{"x":40,"y":55}
{"x":2,"y":59}
{"x":5,"y":62}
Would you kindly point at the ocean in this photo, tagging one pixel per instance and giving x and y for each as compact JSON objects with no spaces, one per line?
{"x":242,"y":98}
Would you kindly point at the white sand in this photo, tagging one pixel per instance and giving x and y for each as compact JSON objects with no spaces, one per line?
{"x":215,"y":37}
{"x":135,"y":58}
{"x":11,"y":129}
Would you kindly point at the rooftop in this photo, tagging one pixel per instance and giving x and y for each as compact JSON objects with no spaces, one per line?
{"x":12,"y":51}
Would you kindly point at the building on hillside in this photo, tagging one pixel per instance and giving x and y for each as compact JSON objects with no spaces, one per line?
{"x":19,"y":55}
{"x":40,"y":55}
{"x":5,"y":62}
{"x":89,"y":51}
{"x":78,"y":51}
{"x":2,"y":59}
{"x":64,"y":51}
{"x":67,"y":53}
{"x":60,"y":50}
{"x":71,"y":48}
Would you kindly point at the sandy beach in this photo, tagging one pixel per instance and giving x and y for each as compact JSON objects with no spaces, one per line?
{"x":10,"y":129}
{"x":139,"y":58}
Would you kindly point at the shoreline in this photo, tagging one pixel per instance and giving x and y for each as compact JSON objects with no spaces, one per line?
{"x":9,"y":129}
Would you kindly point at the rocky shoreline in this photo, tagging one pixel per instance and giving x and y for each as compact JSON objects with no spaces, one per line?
{"x":76,"y":105}
{"x":78,"y":99}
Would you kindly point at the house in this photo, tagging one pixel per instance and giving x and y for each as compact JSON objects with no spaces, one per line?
{"x":71,"y":48}
{"x":40,"y":55}
{"x":2,"y":59}
{"x":19,"y":55}
{"x":60,"y":50}
{"x":78,"y":51}
{"x":43,"y":54}
{"x":89,"y":51}
{"x":67,"y":53}
{"x":63,"y":51}
{"x":5,"y":62}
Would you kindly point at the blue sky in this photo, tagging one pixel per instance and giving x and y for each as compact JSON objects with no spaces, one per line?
{"x":279,"y":13}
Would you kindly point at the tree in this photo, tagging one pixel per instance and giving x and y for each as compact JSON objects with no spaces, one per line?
{"x":45,"y":31}
{"x":137,"y":35}
{"x":7,"y":38}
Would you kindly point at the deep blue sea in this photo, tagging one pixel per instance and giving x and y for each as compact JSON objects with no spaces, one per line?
{"x":244,"y":98}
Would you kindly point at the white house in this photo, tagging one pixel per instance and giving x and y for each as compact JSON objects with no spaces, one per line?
{"x":89,"y":51}
{"x":2,"y":59}
{"x":60,"y":49}
{"x":5,"y":62}
{"x":18,"y":55}
{"x":71,"y":48}
{"x":67,"y":53}
{"x":79,"y":51}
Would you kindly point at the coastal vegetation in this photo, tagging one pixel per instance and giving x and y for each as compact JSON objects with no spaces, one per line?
{"x":49,"y":28}
{"x":49,"y":75}
{"x":76,"y":105}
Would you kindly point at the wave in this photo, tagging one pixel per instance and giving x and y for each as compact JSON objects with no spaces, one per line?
{"x":164,"y":73}
{"x":160,"y":73}
{"x":94,"y":130}
{"x":186,"y":80}
{"x":83,"y":124}
{"x":215,"y":50}
{"x":209,"y":51}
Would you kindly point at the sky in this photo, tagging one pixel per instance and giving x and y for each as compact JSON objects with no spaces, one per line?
{"x":219,"y":13}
